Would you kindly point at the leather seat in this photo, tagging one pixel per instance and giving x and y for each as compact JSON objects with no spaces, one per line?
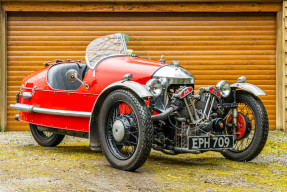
{"x":57,"y":76}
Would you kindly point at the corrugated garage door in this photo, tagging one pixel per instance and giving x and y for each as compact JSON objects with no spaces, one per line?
{"x":212,"y":46}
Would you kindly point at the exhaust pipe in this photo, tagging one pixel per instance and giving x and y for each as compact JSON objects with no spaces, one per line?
{"x":163,"y":115}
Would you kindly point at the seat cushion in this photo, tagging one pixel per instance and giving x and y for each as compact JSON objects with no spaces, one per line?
{"x":57,"y":76}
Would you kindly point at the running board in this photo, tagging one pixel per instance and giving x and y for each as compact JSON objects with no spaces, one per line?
{"x":37,"y":109}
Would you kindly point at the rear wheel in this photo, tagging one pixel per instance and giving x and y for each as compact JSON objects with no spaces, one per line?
{"x":125,"y":130}
{"x":252,"y":131}
{"x":45,"y":138}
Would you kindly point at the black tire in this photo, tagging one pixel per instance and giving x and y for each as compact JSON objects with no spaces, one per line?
{"x":260,"y":129}
{"x":142,"y":130}
{"x":44,"y":139}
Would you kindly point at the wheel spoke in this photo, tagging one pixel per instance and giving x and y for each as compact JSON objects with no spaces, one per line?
{"x":126,"y":147}
{"x":131,"y":143}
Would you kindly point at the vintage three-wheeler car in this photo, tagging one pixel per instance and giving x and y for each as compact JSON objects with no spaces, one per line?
{"x":125,"y":105}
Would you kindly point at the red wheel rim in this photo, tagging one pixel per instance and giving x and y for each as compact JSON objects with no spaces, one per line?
{"x":125,"y":109}
{"x":246,"y":127}
{"x":241,"y":126}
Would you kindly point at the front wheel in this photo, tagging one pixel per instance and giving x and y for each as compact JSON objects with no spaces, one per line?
{"x":125,"y":130}
{"x":252,"y":131}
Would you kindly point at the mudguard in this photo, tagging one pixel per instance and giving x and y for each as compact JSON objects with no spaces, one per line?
{"x":249,"y":87}
{"x":137,"y":88}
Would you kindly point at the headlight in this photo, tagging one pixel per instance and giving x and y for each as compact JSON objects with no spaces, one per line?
{"x":154,"y":86}
{"x":224,"y":88}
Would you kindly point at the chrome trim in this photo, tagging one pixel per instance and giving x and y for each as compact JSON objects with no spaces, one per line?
{"x":88,"y":62}
{"x":249,"y":87}
{"x":174,"y":74}
{"x":220,"y":87}
{"x":123,"y":39}
{"x":118,"y":130}
{"x":168,"y":75}
{"x":241,"y":79}
{"x":128,"y":77}
{"x":16,"y":117}
{"x":235,"y":116}
{"x":36,"y":109}
{"x":155,"y":87}
{"x":107,"y":57}
{"x":176,"y":63}
{"x":26,"y":95}
{"x":34,"y":89}
{"x":22,"y":107}
{"x":72,"y":75}
{"x":210,"y":109}
{"x":206,"y":105}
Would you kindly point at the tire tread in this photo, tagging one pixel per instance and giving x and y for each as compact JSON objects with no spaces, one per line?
{"x":147,"y":136}
{"x":262,"y":130}
{"x":55,"y":139}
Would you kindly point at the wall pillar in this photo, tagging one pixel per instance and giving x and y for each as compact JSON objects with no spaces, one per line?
{"x":3,"y":68}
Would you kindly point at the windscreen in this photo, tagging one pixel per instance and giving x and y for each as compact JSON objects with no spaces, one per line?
{"x":114,"y":44}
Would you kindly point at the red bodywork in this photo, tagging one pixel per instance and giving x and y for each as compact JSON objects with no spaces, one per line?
{"x":107,"y":72}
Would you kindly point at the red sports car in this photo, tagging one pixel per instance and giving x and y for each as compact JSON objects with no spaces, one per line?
{"x":126,"y":105}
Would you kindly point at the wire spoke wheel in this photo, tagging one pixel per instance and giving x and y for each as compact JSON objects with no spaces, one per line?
{"x":252,"y":128}
{"x":45,"y":138}
{"x":122,"y":130}
{"x":247,"y":113}
{"x":125,"y":130}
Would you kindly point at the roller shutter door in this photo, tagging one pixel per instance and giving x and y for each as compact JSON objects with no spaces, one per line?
{"x":212,"y":46}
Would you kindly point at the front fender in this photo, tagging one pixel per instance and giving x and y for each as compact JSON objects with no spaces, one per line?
{"x":249,"y":87}
{"x":137,"y":88}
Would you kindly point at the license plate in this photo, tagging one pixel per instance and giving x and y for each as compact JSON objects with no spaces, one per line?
{"x":211,"y":143}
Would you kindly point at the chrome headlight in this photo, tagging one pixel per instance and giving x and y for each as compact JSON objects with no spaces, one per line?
{"x":224,"y":88}
{"x":154,"y":86}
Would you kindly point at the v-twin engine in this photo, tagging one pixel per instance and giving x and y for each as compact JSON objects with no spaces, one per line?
{"x":193,"y":115}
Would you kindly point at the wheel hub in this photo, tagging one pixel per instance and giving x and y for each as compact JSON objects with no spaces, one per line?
{"x":243,"y":126}
{"x":118,"y":130}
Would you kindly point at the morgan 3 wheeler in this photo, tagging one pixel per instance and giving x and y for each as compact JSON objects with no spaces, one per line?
{"x":126,"y":105}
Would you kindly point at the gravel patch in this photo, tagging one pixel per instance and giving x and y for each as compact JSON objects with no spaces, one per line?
{"x":72,"y":166}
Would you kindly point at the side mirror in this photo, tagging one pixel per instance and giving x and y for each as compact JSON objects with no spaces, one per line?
{"x":72,"y":75}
